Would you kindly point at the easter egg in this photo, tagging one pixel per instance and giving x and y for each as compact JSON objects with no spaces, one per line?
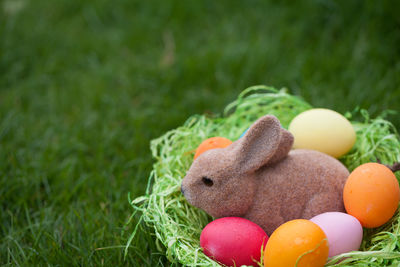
{"x":371,"y":194}
{"x":296,"y":243}
{"x":324,"y":130}
{"x":344,"y":232}
{"x":211,"y":143}
{"x":233,"y":241}
{"x":245,"y":131}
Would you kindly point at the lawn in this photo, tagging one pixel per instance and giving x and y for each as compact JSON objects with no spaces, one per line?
{"x":85,"y":85}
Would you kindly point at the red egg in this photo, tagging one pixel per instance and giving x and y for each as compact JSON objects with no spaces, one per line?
{"x":233,"y":241}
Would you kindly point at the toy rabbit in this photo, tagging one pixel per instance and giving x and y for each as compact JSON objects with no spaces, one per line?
{"x":257,"y":177}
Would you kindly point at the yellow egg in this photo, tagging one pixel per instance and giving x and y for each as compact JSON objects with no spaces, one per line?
{"x":324,"y":130}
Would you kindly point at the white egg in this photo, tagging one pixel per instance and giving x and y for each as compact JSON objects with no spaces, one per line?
{"x":324,"y":130}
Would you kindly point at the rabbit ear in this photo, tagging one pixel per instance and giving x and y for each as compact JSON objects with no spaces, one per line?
{"x":259,"y":145}
{"x":285,"y":144}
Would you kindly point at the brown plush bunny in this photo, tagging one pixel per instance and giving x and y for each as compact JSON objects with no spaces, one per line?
{"x":257,"y":178}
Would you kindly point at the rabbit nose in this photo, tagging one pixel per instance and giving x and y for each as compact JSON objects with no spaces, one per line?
{"x":182,"y":190}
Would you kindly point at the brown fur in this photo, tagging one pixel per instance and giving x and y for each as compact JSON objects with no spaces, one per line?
{"x":257,"y":177}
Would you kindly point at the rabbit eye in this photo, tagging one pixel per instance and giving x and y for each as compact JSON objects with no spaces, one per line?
{"x":207,"y":181}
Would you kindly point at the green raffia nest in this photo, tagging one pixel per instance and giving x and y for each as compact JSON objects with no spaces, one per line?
{"x":178,"y":225}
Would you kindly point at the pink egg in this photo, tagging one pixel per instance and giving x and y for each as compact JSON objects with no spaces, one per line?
{"x":344,"y":232}
{"x":233,"y":241}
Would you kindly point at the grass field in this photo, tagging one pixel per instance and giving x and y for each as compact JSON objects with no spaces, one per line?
{"x":85,"y":85}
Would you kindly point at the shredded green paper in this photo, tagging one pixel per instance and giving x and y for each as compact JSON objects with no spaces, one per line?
{"x":177,"y":225}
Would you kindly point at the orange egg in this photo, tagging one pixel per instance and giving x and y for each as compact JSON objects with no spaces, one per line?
{"x":300,"y":242}
{"x":371,"y":194}
{"x":211,"y":143}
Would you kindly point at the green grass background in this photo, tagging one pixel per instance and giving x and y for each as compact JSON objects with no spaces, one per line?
{"x":85,"y":85}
